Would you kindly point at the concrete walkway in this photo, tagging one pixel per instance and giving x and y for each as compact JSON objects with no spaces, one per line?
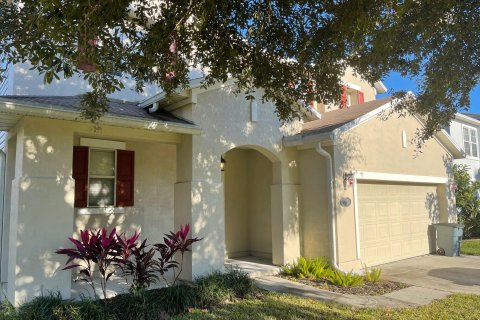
{"x":431,"y":277}
{"x":409,"y":297}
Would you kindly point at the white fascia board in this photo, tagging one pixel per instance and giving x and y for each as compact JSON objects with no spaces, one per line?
{"x":444,"y":138}
{"x":55,"y":112}
{"x":192,"y":84}
{"x":393,"y":177}
{"x":468,"y":119}
{"x":380,"y":87}
{"x":358,"y":121}
{"x":353,"y":86}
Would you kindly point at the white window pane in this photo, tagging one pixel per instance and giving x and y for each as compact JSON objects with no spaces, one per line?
{"x":467,"y":148}
{"x":473,"y":136}
{"x":102,"y":163}
{"x":466,"y":135}
{"x":474,"y":150}
{"x":100,"y":192}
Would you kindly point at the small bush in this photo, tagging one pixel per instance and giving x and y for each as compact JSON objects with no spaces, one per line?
{"x":308,"y":268}
{"x":344,"y":279}
{"x":7,"y":311}
{"x":373,"y":274}
{"x":178,"y":298}
{"x":142,"y":305}
{"x":52,"y":307}
{"x":217,"y":287}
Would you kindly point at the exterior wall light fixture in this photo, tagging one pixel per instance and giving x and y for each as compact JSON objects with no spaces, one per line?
{"x":223,"y":163}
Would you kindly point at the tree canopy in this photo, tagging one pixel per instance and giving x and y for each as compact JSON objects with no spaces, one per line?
{"x":293,"y":50}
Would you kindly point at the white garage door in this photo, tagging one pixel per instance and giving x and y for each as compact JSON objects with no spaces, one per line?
{"x":394,"y":220}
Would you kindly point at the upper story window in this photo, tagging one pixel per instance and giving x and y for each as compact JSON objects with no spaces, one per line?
{"x":350,"y":97}
{"x":103,"y":177}
{"x":470,"y":141}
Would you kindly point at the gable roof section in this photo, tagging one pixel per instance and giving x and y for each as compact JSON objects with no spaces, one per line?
{"x":68,"y":108}
{"x":335,"y":119}
{"x":341,"y":120}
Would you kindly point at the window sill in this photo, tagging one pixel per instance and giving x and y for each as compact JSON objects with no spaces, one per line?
{"x":106,"y":210}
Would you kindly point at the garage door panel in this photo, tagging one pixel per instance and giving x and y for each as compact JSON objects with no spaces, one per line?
{"x":394,"y":220}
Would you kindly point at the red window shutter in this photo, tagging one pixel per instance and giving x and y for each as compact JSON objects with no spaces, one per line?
{"x":80,"y":174}
{"x":343,"y":98}
{"x":125,"y":175}
{"x":360,"y":97}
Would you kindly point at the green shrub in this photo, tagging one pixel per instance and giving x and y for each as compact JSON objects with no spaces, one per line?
{"x":373,"y":274}
{"x":308,"y":268}
{"x":142,"y":305}
{"x":52,"y":307}
{"x":178,"y":298}
{"x":344,"y":279}
{"x":7,"y":311}
{"x":217,"y":287}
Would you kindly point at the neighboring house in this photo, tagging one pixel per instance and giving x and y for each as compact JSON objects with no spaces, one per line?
{"x":464,"y":131}
{"x":346,"y":186}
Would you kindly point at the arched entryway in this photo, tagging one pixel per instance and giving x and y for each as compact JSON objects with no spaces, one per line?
{"x":248,"y":176}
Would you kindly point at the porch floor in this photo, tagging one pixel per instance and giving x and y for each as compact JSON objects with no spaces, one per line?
{"x":253,"y":266}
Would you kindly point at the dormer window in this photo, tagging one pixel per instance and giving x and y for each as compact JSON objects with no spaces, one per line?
{"x":350,"y":97}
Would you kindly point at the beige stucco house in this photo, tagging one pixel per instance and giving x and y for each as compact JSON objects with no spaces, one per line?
{"x":342,"y":183}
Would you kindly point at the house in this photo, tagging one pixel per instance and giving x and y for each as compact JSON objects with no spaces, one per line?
{"x":343,"y":183}
{"x":464,"y":131}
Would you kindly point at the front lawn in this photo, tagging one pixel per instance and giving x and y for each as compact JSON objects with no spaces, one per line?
{"x":281,"y":306}
{"x":470,"y":247}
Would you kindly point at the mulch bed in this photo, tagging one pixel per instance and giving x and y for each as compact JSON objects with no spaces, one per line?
{"x":378,"y":288}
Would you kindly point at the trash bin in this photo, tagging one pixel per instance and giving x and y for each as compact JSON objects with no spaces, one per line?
{"x":449,"y":236}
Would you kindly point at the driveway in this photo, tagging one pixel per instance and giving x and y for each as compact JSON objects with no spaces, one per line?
{"x":450,"y":274}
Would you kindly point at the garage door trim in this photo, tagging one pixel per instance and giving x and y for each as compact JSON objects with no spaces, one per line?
{"x":391,"y":177}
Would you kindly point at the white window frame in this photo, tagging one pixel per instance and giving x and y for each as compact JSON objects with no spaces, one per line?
{"x":471,"y":156}
{"x":114,"y":178}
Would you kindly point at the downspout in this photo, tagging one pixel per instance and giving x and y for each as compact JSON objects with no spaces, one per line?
{"x":3,"y":160}
{"x":331,"y":206}
{"x":154,"y":107}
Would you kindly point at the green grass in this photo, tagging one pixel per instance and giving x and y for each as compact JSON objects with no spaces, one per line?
{"x":280,"y":306}
{"x":470,"y":247}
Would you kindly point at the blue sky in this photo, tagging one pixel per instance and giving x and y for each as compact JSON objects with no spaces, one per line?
{"x":396,"y":82}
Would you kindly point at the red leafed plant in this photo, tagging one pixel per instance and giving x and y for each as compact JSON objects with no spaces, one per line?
{"x":174,"y":242}
{"x":106,"y":250}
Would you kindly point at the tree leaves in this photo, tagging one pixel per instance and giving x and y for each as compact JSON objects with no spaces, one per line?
{"x":295,"y":50}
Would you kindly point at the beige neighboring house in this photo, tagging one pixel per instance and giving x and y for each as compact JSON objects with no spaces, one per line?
{"x":344,"y":183}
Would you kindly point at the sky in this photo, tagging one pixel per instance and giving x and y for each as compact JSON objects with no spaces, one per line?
{"x":396,"y":82}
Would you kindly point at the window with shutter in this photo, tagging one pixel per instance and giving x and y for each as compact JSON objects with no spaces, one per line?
{"x":343,"y":98}
{"x":103,"y":177}
{"x":360,"y":97}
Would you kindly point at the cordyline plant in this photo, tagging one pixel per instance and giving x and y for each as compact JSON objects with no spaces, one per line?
{"x":112,"y":250}
{"x":106,"y":250}
{"x":174,"y":242}
{"x":141,"y":266}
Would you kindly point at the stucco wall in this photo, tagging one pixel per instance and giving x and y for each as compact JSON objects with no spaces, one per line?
{"x":314,"y":204}
{"x":247,"y":181}
{"x":28,"y":82}
{"x":42,"y":214}
{"x":376,"y":146}
{"x":236,"y":204}
{"x":225,"y":122}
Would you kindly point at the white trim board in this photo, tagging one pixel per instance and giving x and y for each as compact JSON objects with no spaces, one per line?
{"x":393,"y":177}
{"x":105,"y":144}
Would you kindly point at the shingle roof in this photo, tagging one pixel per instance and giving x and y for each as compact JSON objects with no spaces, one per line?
{"x":335,"y":119}
{"x":472,"y":115}
{"x":116,"y":107}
